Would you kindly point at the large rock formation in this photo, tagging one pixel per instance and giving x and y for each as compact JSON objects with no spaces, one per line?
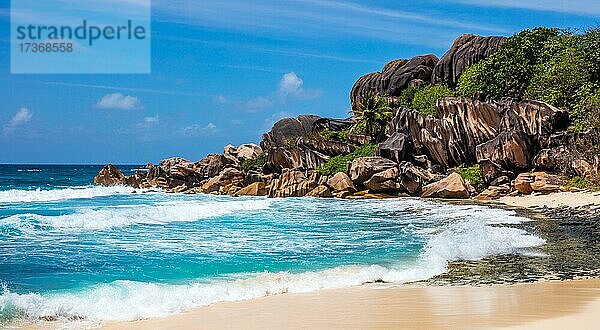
{"x":466,"y":51}
{"x":110,"y":176}
{"x":395,"y":77}
{"x":451,"y":187}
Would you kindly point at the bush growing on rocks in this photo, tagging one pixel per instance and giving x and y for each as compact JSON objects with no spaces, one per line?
{"x":374,"y":112}
{"x":473,"y":175}
{"x":339,"y":163}
{"x":256,"y":162}
{"x":426,"y":98}
{"x":591,"y":182}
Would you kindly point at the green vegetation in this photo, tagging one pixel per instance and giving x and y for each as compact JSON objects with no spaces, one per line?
{"x":338,"y":163}
{"x":423,"y":99}
{"x":473,"y":175}
{"x":257,"y":162}
{"x":556,"y":66}
{"x":591,"y":182}
{"x":373,"y":113}
{"x":426,"y":98}
{"x":334,"y":136}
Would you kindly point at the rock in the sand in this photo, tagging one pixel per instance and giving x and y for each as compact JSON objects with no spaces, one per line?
{"x":363,"y":168}
{"x":493,"y":193}
{"x":255,"y":189}
{"x":452,"y":186}
{"x":321,"y":191}
{"x":341,"y":182}
{"x":541,"y":182}
{"x":384,"y":181}
{"x":109,"y":176}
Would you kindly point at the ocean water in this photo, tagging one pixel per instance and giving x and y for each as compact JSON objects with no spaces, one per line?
{"x":71,"y":251}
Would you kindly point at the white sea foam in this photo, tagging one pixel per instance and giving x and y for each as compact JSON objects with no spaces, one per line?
{"x":126,"y":215}
{"x":39,"y":195}
{"x":462,"y":237}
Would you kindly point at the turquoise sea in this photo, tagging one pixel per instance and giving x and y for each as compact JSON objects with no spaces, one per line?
{"x":73,"y":252}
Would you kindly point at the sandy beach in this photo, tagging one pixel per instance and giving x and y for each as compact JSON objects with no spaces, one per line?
{"x":553,"y":200}
{"x":544,"y":305}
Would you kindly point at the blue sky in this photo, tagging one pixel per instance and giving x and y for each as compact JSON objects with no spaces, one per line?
{"x":224,"y":71}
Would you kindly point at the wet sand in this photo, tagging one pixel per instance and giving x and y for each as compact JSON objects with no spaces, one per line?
{"x":543,"y":305}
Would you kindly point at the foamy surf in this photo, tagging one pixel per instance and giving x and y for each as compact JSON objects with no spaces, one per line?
{"x":126,"y":215}
{"x":475,"y":236}
{"x":52,"y":195}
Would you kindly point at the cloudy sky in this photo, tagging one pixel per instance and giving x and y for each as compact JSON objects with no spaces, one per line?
{"x":223,"y":71}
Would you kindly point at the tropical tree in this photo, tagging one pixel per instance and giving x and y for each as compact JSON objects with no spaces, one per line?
{"x":372,"y":114}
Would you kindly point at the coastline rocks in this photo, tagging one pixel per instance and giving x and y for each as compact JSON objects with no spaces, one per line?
{"x":395,"y":147}
{"x":109,"y":176}
{"x":572,"y":154}
{"x":452,"y":186}
{"x":510,"y":150}
{"x":412,"y":178}
{"x":493,"y":193}
{"x":254,"y":189}
{"x":340,"y":182}
{"x":280,"y":158}
{"x":228,"y":182}
{"x":293,"y":183}
{"x":466,"y":50}
{"x":363,"y":168}
{"x":394,"y":77}
{"x":288,"y":129}
{"x":321,"y":191}
{"x":542,"y":182}
{"x":383,"y":181}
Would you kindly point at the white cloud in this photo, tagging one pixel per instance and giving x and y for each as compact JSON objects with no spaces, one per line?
{"x":22,"y":116}
{"x":118,"y":101}
{"x":290,"y":84}
{"x":151,"y":120}
{"x":197,"y":130}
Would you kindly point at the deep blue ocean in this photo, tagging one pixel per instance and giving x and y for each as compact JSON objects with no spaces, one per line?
{"x":72,"y":251}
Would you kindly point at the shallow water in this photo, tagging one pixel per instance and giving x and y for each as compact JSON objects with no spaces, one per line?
{"x":71,"y":251}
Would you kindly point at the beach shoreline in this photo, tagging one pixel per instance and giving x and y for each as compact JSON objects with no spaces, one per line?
{"x":378,"y":306}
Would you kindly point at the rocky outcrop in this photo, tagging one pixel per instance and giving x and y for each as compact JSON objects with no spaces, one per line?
{"x":467,"y":50}
{"x":527,"y":183}
{"x":321,"y":191}
{"x":395,"y":77}
{"x":452,"y":186}
{"x":572,"y":154}
{"x":294,"y":183}
{"x":254,"y":189}
{"x":228,"y":182}
{"x":341,"y":182}
{"x":385,"y":181}
{"x":363,"y":168}
{"x":110,"y":176}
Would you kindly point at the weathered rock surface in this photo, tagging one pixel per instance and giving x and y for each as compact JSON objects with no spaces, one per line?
{"x":466,"y":51}
{"x":228,"y":182}
{"x":363,"y":168}
{"x":254,"y":189}
{"x":542,"y":182}
{"x":321,"y":191}
{"x":384,"y":181}
{"x":292,"y":183}
{"x":341,"y":182}
{"x":452,"y":186}
{"x":395,"y":77}
{"x":110,"y":176}
{"x":572,"y":154}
